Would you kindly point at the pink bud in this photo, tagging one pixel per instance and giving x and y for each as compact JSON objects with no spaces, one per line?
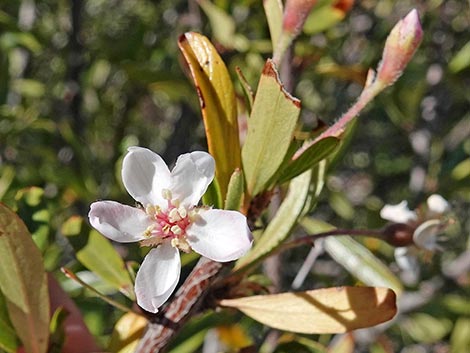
{"x":295,"y":14}
{"x":400,"y":47}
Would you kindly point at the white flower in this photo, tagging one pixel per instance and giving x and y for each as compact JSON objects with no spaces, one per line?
{"x":170,"y":220}
{"x":399,"y":213}
{"x":427,"y":227}
{"x":437,"y":205}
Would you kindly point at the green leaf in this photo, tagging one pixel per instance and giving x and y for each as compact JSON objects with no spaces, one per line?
{"x":273,"y":10}
{"x":426,"y":328}
{"x":218,"y":105}
{"x":57,"y":338}
{"x":460,"y":60}
{"x":285,"y":219}
{"x":6,"y":178}
{"x":26,"y":40}
{"x":23,"y":282}
{"x":247,"y":90}
{"x":29,"y":88}
{"x":309,"y":158}
{"x":299,"y":344}
{"x":327,"y":310}
{"x":460,"y":338}
{"x":235,"y":191}
{"x":355,"y":258}
{"x":270,"y":130}
{"x":212,"y":196}
{"x":96,"y":253}
{"x":223,"y":27}
{"x":323,"y":17}
{"x":8,"y":338}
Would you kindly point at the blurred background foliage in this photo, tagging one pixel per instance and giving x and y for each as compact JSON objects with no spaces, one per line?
{"x":80,"y":81}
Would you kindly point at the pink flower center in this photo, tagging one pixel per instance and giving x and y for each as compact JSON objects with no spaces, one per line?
{"x":170,"y":223}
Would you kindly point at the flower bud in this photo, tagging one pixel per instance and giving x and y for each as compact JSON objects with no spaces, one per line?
{"x":399,"y":234}
{"x":400,"y":46}
{"x":295,"y":14}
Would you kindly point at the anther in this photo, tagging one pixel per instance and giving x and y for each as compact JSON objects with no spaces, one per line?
{"x":166,"y":194}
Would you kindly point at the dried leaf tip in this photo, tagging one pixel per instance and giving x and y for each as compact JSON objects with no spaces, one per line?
{"x":400,"y":46}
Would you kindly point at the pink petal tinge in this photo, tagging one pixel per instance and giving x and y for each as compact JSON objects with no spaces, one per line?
{"x":119,"y":222}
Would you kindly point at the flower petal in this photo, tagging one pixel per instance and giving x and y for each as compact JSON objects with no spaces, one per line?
{"x":145,"y":174}
{"x":191,"y":176}
{"x":157,"y":277}
{"x":437,"y":204}
{"x":425,"y":236}
{"x":119,"y":222}
{"x":407,"y":261}
{"x":220,"y":235}
{"x":399,"y":213}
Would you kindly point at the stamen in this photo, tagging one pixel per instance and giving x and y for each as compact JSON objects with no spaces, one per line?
{"x":166,"y":194}
{"x":176,"y":230}
{"x":166,"y":229}
{"x":182,"y":212}
{"x":174,"y":215}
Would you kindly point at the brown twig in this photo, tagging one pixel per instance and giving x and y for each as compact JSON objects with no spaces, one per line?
{"x":166,"y":323}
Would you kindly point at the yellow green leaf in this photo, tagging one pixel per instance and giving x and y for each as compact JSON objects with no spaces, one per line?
{"x":218,"y":105}
{"x":273,"y":10}
{"x":326,"y":15}
{"x":23,"y":282}
{"x":328,"y":310}
{"x":270,"y":130}
{"x":285,"y":219}
{"x":235,"y":191}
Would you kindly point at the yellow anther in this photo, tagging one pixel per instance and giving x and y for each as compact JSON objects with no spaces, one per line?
{"x":183,"y":245}
{"x":166,"y":194}
{"x":166,"y":229}
{"x":175,"y":242}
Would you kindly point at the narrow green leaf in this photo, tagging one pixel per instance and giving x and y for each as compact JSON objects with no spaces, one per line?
{"x":96,"y":253}
{"x":247,"y":90}
{"x":273,"y":10}
{"x":6,"y":178}
{"x":218,"y":104}
{"x":235,"y":191}
{"x":23,"y":282}
{"x":57,"y":329}
{"x":309,"y":158}
{"x":325,"y":16}
{"x":100,"y":257}
{"x":355,"y":258}
{"x":425,"y":328}
{"x":285,"y":219}
{"x":460,"y":61}
{"x":270,"y":130}
{"x":460,"y":338}
{"x":213,"y":197}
